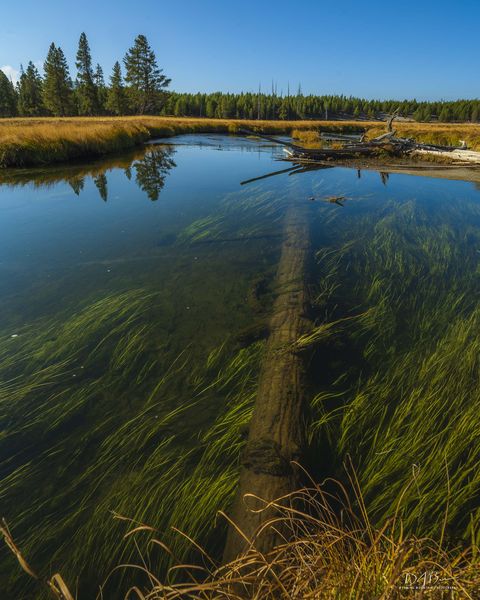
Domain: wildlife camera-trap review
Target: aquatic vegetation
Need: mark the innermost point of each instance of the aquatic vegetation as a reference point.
(408, 404)
(143, 458)
(122, 402)
(136, 399)
(252, 214)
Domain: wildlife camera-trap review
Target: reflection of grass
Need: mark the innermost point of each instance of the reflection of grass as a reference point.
(50, 175)
(411, 409)
(151, 167)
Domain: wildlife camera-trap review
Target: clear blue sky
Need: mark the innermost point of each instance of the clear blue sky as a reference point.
(375, 49)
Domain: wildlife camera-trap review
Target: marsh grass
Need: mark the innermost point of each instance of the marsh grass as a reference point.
(27, 142)
(40, 141)
(448, 134)
(331, 549)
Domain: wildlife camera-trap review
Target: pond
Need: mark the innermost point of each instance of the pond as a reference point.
(136, 293)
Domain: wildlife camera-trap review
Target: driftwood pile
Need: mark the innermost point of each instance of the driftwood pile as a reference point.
(357, 146)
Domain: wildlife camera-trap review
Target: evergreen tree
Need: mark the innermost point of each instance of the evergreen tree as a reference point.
(101, 88)
(444, 115)
(57, 86)
(145, 79)
(116, 102)
(8, 97)
(30, 90)
(86, 90)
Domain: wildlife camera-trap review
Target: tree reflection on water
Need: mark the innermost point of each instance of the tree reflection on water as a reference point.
(147, 168)
(152, 170)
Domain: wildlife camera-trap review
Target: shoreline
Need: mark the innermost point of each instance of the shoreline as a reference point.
(33, 142)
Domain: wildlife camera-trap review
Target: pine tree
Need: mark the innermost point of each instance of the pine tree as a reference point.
(444, 115)
(101, 88)
(30, 90)
(116, 97)
(8, 97)
(145, 79)
(57, 86)
(86, 90)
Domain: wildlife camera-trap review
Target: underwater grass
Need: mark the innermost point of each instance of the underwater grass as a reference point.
(396, 318)
(72, 418)
(127, 406)
(406, 408)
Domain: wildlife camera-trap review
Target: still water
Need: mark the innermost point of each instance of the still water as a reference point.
(135, 297)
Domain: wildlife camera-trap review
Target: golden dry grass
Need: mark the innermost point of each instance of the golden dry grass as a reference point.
(331, 549)
(449, 134)
(39, 141)
(36, 141)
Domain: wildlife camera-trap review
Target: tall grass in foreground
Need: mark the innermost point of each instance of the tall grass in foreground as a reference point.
(331, 550)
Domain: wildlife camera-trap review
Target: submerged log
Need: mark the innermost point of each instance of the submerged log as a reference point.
(276, 436)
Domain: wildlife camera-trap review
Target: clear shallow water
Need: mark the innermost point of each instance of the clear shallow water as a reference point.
(135, 296)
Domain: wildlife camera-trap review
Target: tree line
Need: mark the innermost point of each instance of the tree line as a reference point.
(141, 88)
(296, 107)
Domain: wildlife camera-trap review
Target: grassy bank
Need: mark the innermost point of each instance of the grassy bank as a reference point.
(29, 142)
(449, 134)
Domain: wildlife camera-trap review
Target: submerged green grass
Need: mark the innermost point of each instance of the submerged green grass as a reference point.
(130, 406)
(94, 423)
(130, 402)
(404, 403)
